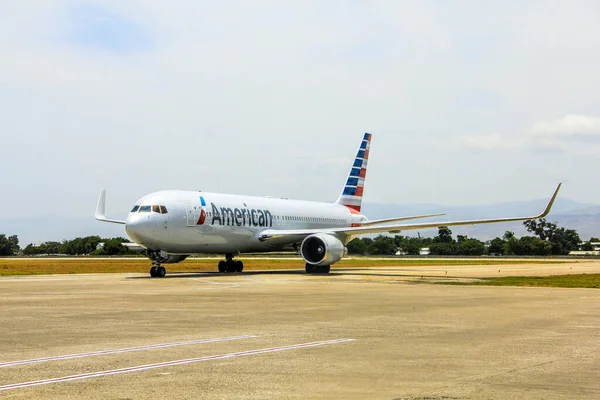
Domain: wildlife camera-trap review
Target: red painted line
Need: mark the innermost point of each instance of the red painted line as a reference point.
(118, 351)
(170, 364)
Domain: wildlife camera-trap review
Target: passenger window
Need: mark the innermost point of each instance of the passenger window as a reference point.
(156, 209)
(135, 208)
(145, 208)
(163, 209)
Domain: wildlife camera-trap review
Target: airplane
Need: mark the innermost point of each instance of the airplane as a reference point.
(172, 224)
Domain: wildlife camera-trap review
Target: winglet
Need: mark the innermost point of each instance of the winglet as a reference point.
(100, 210)
(100, 207)
(550, 203)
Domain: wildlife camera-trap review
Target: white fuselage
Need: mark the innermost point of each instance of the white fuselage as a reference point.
(184, 222)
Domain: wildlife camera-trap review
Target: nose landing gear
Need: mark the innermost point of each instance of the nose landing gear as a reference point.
(230, 265)
(157, 271)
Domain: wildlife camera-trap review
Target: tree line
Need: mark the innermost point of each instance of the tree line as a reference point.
(442, 244)
(547, 239)
(79, 246)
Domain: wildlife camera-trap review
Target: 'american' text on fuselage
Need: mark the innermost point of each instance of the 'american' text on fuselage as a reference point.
(240, 216)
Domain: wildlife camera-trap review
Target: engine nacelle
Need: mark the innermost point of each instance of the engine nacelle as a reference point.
(322, 249)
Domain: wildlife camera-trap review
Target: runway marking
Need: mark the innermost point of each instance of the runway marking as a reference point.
(223, 284)
(170, 364)
(125, 350)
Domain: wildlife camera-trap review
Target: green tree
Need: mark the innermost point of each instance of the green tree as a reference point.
(9, 246)
(383, 245)
(441, 249)
(445, 234)
(51, 247)
(533, 246)
(114, 247)
(80, 246)
(412, 245)
(512, 245)
(541, 228)
(587, 246)
(496, 246)
(563, 240)
(470, 247)
(357, 246)
(31, 250)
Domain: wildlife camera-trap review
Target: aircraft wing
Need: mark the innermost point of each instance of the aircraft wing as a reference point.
(389, 220)
(299, 234)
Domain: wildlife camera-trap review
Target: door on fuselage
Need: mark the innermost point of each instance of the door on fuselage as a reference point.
(192, 214)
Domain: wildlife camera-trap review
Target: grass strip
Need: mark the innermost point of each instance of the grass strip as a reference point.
(562, 281)
(43, 266)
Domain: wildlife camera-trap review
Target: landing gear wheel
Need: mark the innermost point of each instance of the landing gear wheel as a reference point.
(321, 269)
(153, 272)
(239, 266)
(161, 272)
(230, 265)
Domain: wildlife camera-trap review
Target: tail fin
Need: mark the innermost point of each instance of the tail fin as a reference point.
(351, 196)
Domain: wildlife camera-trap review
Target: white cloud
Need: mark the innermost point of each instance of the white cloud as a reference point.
(572, 134)
(486, 142)
(571, 125)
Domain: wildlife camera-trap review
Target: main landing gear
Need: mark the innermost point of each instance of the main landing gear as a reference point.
(230, 265)
(317, 269)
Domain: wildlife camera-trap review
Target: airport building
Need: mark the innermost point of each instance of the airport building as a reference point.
(580, 252)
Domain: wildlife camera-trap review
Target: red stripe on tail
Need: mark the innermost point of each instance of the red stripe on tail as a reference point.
(354, 209)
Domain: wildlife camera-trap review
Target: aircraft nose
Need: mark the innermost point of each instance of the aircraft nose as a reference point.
(136, 226)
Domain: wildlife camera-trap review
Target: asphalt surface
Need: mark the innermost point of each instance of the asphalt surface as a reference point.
(384, 333)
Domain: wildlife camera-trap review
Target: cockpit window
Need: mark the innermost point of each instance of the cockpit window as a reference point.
(153, 208)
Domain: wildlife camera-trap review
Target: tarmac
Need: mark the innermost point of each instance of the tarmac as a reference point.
(380, 333)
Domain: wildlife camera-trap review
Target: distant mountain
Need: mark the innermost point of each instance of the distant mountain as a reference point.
(585, 218)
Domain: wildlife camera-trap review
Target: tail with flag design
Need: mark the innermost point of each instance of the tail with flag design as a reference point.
(351, 196)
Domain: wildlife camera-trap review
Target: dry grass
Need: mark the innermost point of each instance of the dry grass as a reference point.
(564, 281)
(44, 266)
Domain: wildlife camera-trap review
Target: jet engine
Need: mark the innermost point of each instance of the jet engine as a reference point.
(322, 249)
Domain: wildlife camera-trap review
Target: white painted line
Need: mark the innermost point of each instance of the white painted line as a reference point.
(125, 350)
(223, 284)
(169, 364)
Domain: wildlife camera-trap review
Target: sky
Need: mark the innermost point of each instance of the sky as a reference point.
(469, 102)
